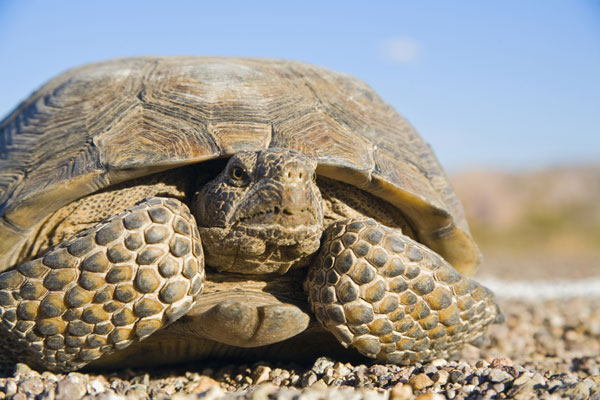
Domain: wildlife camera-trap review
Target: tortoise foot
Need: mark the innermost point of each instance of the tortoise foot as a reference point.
(392, 298)
(105, 288)
(245, 319)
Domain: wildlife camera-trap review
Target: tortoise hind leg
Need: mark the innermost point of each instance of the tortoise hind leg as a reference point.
(106, 287)
(392, 298)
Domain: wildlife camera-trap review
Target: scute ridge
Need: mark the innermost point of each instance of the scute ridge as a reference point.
(125, 118)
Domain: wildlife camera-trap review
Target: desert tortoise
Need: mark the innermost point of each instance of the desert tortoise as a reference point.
(119, 180)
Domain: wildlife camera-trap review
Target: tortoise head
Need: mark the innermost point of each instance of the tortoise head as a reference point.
(263, 213)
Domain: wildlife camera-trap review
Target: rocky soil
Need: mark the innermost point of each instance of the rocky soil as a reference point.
(545, 350)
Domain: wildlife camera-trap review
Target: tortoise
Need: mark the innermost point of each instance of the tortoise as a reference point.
(226, 207)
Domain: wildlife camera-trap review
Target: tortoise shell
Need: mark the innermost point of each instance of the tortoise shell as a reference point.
(109, 122)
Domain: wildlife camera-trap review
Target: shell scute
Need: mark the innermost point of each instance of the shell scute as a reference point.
(110, 122)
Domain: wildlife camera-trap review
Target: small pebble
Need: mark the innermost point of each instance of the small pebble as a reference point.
(341, 370)
(319, 385)
(537, 379)
(439, 362)
(401, 391)
(23, 371)
(430, 396)
(33, 385)
(96, 386)
(430, 369)
(468, 388)
(457, 376)
(500, 362)
(498, 375)
(10, 388)
(203, 384)
(441, 377)
(70, 388)
(321, 363)
(308, 379)
(523, 378)
(261, 374)
(420, 381)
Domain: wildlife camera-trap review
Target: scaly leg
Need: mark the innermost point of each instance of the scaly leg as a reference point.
(106, 287)
(392, 298)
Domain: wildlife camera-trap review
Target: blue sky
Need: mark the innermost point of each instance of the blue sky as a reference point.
(506, 85)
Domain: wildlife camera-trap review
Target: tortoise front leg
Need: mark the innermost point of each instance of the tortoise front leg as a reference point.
(392, 298)
(99, 291)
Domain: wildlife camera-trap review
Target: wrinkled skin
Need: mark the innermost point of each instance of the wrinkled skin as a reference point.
(263, 213)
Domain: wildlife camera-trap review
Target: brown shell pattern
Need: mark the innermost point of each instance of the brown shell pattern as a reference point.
(109, 122)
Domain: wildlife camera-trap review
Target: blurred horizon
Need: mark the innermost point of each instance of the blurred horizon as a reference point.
(534, 225)
(502, 86)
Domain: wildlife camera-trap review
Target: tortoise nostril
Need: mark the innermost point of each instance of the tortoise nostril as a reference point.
(276, 210)
(300, 175)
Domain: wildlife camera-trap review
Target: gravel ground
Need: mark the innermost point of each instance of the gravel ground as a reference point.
(548, 349)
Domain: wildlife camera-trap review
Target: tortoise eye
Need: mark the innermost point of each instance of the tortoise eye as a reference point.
(237, 173)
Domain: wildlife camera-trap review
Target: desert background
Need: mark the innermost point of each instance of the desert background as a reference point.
(540, 224)
(508, 96)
